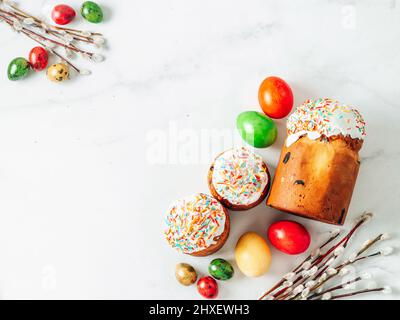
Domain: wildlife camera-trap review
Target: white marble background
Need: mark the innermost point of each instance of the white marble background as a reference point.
(81, 198)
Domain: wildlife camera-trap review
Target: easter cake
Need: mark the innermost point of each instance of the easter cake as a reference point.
(239, 179)
(198, 225)
(319, 162)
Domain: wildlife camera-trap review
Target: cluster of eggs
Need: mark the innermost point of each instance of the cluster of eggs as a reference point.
(38, 60)
(276, 101)
(252, 255)
(252, 252)
(19, 67)
(207, 286)
(63, 14)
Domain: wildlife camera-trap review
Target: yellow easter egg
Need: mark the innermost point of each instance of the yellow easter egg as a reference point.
(252, 254)
(58, 72)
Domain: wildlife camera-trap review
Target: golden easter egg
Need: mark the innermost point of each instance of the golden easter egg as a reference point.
(185, 274)
(252, 254)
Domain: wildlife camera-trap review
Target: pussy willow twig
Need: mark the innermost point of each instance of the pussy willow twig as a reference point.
(321, 259)
(51, 37)
(306, 280)
(299, 267)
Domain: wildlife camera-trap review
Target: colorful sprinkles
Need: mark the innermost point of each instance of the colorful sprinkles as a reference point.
(326, 117)
(193, 223)
(239, 176)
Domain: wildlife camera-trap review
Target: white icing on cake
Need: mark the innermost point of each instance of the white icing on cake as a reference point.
(239, 176)
(193, 223)
(327, 117)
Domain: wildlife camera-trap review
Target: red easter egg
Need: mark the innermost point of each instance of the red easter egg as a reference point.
(63, 14)
(289, 237)
(207, 287)
(275, 97)
(38, 58)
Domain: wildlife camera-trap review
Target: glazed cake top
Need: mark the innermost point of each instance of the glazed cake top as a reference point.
(192, 224)
(317, 117)
(240, 176)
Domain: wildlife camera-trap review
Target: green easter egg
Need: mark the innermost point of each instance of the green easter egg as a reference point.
(220, 269)
(256, 129)
(18, 69)
(92, 12)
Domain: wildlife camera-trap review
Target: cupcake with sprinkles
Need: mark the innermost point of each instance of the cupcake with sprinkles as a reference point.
(319, 162)
(239, 179)
(197, 225)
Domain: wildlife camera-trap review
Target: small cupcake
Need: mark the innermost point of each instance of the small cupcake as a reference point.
(239, 179)
(198, 225)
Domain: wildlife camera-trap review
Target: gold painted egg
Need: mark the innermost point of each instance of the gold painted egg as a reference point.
(58, 72)
(252, 254)
(185, 274)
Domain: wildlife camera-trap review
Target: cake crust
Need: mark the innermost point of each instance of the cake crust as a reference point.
(315, 178)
